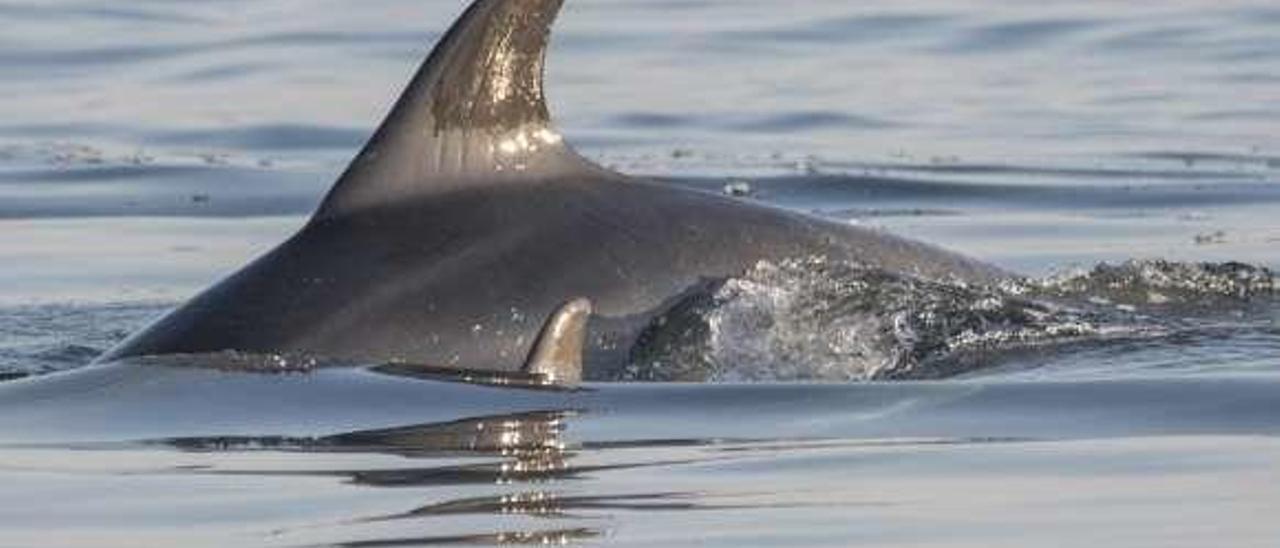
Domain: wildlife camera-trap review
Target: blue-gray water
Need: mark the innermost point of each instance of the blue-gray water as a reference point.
(149, 147)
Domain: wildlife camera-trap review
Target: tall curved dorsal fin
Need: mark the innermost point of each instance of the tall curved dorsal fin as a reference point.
(475, 111)
(557, 354)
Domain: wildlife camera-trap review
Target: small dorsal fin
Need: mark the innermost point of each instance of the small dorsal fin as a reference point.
(557, 354)
(474, 112)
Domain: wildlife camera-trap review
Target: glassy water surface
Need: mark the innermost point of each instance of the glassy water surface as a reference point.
(149, 147)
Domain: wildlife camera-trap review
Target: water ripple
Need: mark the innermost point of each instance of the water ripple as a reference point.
(265, 137)
(781, 122)
(846, 30)
(1019, 35)
(61, 11)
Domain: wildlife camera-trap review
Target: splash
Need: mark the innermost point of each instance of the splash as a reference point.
(814, 319)
(1164, 284)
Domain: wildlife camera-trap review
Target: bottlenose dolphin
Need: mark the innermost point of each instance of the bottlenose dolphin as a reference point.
(466, 220)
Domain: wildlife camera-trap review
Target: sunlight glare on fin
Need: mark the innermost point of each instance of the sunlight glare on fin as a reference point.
(474, 114)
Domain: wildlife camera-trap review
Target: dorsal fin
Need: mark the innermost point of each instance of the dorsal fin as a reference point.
(475, 112)
(557, 354)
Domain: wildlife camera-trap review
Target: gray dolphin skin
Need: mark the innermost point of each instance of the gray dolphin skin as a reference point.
(466, 221)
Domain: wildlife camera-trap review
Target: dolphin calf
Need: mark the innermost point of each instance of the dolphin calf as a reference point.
(466, 220)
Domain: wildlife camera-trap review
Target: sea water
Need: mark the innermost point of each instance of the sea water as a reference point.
(148, 148)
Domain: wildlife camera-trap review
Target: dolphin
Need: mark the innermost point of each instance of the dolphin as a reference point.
(467, 219)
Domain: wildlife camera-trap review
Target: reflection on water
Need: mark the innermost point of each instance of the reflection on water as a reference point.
(540, 538)
(525, 455)
(529, 448)
(546, 504)
(818, 470)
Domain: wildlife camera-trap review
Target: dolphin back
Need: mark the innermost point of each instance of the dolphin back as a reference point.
(466, 220)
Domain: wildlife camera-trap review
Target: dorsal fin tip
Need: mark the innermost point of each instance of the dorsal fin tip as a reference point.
(475, 107)
(557, 354)
(487, 71)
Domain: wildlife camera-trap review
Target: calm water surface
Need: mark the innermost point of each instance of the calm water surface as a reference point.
(148, 148)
